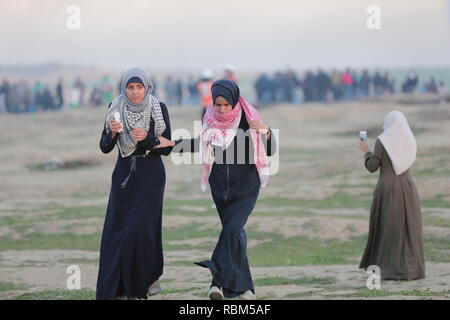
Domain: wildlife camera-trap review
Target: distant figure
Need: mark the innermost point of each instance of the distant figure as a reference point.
(309, 86)
(395, 227)
(431, 87)
(229, 73)
(96, 97)
(74, 97)
(204, 90)
(107, 90)
(347, 85)
(364, 84)
(290, 83)
(4, 95)
(170, 91)
(47, 99)
(410, 84)
(378, 84)
(2, 100)
(193, 97)
(60, 94)
(389, 83)
(443, 92)
(178, 92)
(263, 88)
(336, 84)
(356, 90)
(323, 85)
(81, 88)
(38, 96)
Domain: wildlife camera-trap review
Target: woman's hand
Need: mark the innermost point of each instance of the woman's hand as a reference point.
(164, 143)
(114, 126)
(363, 146)
(139, 134)
(259, 125)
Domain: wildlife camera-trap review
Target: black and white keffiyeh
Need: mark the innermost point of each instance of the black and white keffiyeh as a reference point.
(135, 115)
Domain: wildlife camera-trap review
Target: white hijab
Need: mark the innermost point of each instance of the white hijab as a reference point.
(399, 141)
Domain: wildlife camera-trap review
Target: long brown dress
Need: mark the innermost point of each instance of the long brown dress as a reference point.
(395, 226)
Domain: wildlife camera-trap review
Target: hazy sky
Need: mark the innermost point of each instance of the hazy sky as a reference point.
(250, 34)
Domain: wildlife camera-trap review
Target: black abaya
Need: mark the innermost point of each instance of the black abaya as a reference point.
(131, 256)
(235, 189)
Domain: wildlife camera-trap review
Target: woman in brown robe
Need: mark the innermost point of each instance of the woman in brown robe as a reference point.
(395, 226)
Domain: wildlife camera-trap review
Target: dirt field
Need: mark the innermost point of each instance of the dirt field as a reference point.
(306, 235)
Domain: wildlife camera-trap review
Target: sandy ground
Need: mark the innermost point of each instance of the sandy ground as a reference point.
(318, 157)
(349, 279)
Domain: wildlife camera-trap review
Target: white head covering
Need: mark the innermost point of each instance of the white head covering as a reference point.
(399, 141)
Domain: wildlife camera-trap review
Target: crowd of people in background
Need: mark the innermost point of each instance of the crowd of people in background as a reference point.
(280, 87)
(22, 97)
(320, 86)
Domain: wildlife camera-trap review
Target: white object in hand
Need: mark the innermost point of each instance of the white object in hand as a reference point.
(117, 118)
(363, 135)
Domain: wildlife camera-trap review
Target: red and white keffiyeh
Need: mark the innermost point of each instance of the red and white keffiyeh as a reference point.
(220, 129)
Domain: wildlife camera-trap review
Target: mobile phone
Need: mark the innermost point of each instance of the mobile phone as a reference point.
(117, 118)
(363, 135)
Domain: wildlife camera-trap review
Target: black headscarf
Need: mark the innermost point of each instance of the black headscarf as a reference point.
(135, 80)
(227, 89)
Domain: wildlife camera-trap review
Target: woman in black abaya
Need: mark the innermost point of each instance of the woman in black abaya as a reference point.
(235, 178)
(131, 257)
